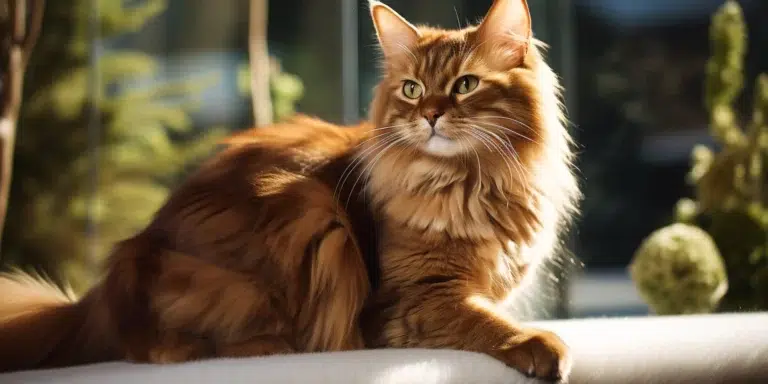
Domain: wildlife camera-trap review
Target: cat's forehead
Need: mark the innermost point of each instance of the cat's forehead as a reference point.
(441, 55)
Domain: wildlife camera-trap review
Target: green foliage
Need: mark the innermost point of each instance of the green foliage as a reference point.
(116, 17)
(63, 186)
(678, 269)
(731, 185)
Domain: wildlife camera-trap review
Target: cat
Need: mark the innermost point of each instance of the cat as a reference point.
(251, 255)
(471, 181)
(406, 231)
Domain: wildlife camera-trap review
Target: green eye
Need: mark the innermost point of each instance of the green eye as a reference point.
(412, 89)
(466, 84)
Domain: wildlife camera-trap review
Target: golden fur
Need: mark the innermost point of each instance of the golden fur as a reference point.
(272, 245)
(460, 225)
(250, 256)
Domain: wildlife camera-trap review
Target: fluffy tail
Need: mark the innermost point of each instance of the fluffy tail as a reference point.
(42, 326)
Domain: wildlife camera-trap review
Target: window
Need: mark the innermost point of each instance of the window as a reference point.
(168, 80)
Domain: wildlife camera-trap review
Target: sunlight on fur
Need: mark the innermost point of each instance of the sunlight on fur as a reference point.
(424, 227)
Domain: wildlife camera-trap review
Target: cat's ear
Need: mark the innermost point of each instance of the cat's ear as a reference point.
(506, 31)
(396, 35)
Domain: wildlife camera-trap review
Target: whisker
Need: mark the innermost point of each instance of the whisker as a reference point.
(394, 126)
(358, 160)
(516, 158)
(352, 165)
(370, 166)
(408, 50)
(404, 147)
(458, 20)
(511, 131)
(348, 170)
(377, 136)
(513, 120)
(360, 144)
(477, 157)
(464, 148)
(516, 162)
(472, 51)
(471, 133)
(504, 156)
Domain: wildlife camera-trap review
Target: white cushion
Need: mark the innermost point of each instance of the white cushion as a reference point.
(690, 349)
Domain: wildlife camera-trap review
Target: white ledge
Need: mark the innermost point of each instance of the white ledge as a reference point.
(685, 349)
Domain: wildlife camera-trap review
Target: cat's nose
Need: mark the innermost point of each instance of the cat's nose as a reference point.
(432, 117)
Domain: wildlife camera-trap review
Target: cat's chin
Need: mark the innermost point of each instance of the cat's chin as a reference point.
(441, 146)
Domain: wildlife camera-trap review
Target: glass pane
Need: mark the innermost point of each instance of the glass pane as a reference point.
(123, 97)
(639, 111)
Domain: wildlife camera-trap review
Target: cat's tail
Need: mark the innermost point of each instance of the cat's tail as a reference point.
(42, 326)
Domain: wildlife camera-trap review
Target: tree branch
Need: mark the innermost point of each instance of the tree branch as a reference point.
(35, 26)
(259, 62)
(21, 44)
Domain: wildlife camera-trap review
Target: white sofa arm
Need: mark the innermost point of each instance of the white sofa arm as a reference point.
(724, 348)
(684, 349)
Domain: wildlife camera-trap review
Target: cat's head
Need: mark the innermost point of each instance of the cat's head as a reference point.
(454, 93)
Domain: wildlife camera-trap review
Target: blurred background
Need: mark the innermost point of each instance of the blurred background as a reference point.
(122, 97)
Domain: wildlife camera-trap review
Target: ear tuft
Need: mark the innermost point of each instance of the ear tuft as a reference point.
(506, 30)
(396, 35)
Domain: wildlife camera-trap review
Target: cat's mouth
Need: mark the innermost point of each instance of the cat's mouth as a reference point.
(438, 135)
(440, 145)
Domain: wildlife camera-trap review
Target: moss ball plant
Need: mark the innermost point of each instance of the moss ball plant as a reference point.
(678, 270)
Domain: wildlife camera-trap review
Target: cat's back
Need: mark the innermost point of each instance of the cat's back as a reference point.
(267, 182)
(240, 247)
(301, 139)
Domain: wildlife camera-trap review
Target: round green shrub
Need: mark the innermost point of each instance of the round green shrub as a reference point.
(678, 270)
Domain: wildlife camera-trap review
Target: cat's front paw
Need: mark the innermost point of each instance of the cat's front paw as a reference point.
(539, 354)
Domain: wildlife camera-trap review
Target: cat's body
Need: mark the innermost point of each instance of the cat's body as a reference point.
(264, 218)
(459, 186)
(250, 256)
(469, 206)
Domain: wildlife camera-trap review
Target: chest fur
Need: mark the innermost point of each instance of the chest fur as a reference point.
(440, 223)
(452, 203)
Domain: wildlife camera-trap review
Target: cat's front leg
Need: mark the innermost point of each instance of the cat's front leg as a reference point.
(444, 316)
(537, 353)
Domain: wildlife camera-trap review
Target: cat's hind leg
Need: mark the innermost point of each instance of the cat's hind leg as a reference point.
(171, 346)
(235, 314)
(338, 288)
(240, 316)
(256, 346)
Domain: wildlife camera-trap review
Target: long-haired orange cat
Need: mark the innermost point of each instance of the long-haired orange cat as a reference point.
(459, 185)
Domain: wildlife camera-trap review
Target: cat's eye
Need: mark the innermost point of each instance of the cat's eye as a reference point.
(412, 89)
(466, 84)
